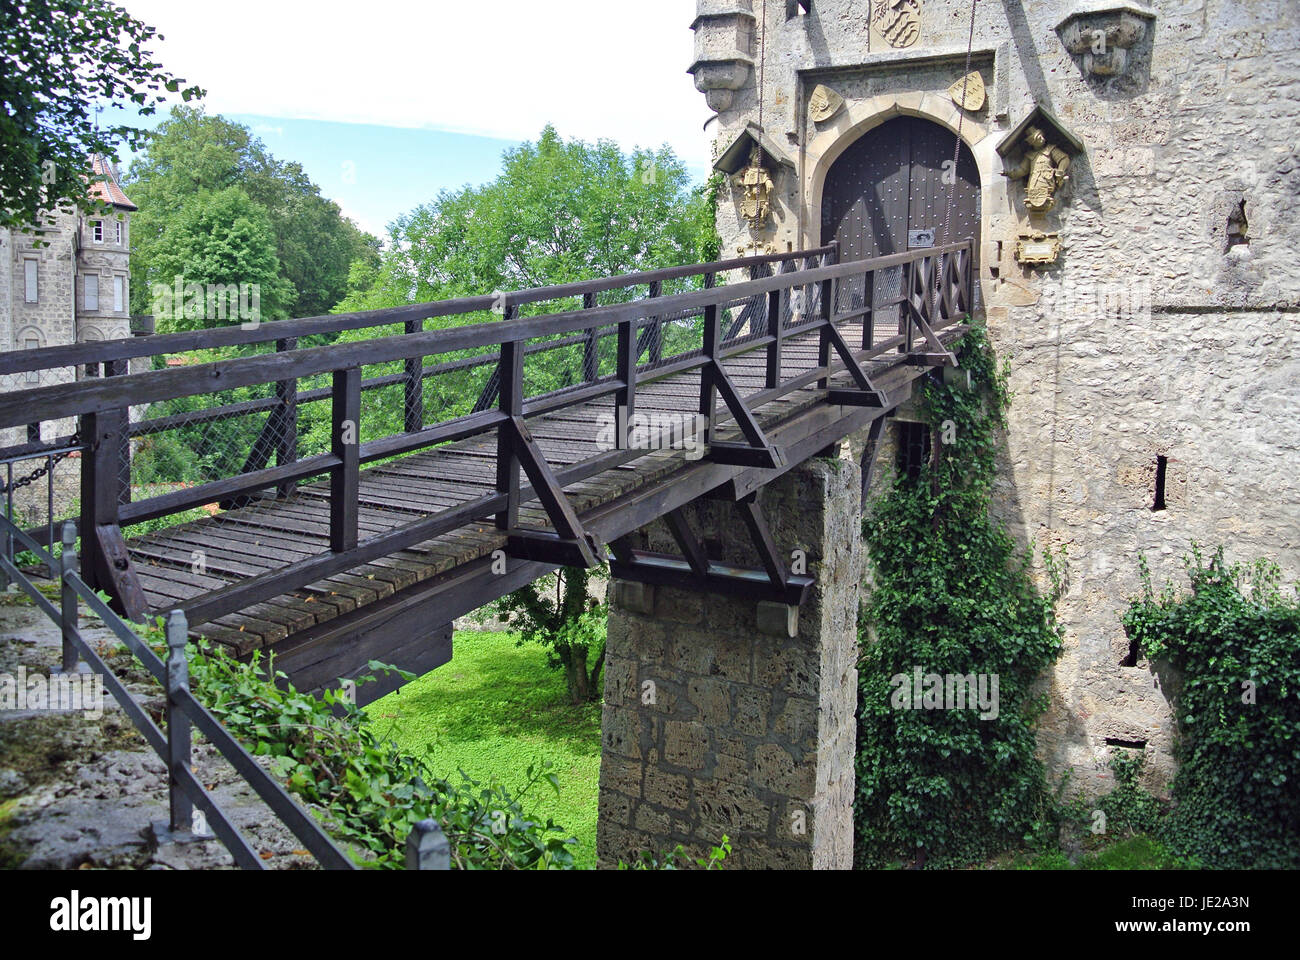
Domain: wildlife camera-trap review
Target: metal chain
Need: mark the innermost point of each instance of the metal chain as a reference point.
(50, 464)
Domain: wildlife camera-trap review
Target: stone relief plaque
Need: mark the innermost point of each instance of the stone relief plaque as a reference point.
(824, 103)
(969, 92)
(1038, 248)
(896, 22)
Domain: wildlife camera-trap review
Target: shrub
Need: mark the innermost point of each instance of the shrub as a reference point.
(1237, 649)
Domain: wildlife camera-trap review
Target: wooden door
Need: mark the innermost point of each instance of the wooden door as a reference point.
(890, 191)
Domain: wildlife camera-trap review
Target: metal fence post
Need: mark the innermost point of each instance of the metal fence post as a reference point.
(69, 618)
(427, 847)
(178, 724)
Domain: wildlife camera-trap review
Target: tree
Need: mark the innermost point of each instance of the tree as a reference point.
(192, 154)
(58, 60)
(219, 241)
(558, 212)
(571, 625)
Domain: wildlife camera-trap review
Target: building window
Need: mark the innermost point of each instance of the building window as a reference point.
(90, 298)
(913, 448)
(97, 230)
(32, 343)
(119, 293)
(121, 231)
(31, 278)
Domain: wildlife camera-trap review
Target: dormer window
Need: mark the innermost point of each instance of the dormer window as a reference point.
(97, 231)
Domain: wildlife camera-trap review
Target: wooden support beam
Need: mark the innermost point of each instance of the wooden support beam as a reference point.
(690, 547)
(752, 517)
(118, 574)
(511, 372)
(413, 384)
(668, 571)
(558, 509)
(345, 441)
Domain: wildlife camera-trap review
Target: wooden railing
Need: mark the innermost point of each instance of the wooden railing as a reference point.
(936, 290)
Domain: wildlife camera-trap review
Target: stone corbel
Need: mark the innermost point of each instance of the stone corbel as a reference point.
(1102, 32)
(724, 50)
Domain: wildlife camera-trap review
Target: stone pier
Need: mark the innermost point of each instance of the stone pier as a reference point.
(718, 721)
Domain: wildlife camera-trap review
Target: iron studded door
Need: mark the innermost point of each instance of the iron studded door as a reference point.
(887, 194)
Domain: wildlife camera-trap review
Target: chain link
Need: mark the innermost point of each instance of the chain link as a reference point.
(50, 464)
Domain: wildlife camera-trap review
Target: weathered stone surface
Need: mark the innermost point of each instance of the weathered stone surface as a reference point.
(1150, 337)
(753, 728)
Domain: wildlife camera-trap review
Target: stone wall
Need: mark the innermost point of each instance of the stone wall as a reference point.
(1155, 334)
(712, 727)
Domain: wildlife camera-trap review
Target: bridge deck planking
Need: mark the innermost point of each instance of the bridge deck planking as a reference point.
(264, 535)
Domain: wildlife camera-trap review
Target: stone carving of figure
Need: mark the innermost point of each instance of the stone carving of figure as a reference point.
(756, 204)
(1043, 170)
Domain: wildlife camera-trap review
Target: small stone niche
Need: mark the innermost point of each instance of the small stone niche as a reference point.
(1238, 233)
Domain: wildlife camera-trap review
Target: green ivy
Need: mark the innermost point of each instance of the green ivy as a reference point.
(1128, 809)
(366, 791)
(952, 594)
(1235, 650)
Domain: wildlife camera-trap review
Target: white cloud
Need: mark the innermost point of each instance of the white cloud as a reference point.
(503, 68)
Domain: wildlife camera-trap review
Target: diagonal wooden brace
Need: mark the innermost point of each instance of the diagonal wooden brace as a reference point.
(570, 542)
(936, 347)
(757, 452)
(866, 394)
(752, 517)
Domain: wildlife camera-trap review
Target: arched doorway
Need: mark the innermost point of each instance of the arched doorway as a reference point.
(887, 192)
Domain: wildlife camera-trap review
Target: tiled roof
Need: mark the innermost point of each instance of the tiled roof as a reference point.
(104, 185)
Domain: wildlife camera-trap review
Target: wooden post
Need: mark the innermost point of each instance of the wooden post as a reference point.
(625, 397)
(708, 386)
(904, 317)
(826, 311)
(286, 395)
(656, 327)
(345, 479)
(511, 371)
(590, 344)
(413, 380)
(118, 368)
(101, 496)
(869, 304)
(774, 330)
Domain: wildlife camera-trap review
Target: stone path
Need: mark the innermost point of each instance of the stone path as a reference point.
(79, 792)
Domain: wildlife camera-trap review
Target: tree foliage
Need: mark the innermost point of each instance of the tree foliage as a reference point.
(952, 595)
(59, 61)
(1234, 645)
(570, 624)
(217, 239)
(558, 212)
(193, 157)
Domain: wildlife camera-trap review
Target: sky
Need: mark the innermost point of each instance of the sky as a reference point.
(387, 102)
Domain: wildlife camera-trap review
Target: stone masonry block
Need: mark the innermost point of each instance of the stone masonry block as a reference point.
(684, 744)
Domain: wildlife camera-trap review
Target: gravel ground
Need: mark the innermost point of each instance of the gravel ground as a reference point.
(80, 792)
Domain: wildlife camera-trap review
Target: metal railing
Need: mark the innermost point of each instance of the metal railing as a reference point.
(427, 847)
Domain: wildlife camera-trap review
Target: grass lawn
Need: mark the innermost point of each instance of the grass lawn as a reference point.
(493, 711)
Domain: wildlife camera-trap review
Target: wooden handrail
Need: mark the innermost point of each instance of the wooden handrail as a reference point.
(20, 407)
(44, 358)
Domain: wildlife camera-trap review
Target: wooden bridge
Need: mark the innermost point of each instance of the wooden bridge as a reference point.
(404, 495)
